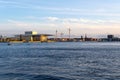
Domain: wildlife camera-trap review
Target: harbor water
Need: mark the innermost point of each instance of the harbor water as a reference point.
(60, 61)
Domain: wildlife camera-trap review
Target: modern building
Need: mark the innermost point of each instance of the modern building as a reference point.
(110, 38)
(30, 33)
(32, 36)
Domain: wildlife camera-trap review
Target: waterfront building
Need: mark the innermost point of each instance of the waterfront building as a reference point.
(32, 36)
(110, 38)
(30, 33)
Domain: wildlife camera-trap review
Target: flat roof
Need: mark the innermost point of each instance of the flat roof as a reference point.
(35, 35)
(42, 34)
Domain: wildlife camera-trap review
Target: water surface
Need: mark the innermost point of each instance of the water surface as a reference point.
(60, 61)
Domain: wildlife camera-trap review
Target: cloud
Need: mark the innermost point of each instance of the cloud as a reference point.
(7, 2)
(107, 12)
(15, 4)
(89, 26)
(31, 17)
(60, 10)
(51, 18)
(56, 21)
(81, 20)
(14, 24)
(79, 26)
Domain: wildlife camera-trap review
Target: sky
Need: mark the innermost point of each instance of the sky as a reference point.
(91, 17)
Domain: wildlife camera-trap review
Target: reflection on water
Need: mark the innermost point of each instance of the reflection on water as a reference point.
(60, 61)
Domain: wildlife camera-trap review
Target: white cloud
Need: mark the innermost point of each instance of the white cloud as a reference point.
(31, 17)
(60, 10)
(79, 26)
(51, 18)
(81, 20)
(7, 2)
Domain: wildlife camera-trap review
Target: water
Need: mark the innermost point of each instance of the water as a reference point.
(60, 61)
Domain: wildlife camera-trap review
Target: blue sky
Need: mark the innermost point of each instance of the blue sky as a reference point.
(92, 17)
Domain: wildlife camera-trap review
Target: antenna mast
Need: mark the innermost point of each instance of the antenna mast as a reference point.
(69, 32)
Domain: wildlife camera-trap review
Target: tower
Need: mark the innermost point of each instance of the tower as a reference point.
(56, 34)
(69, 30)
